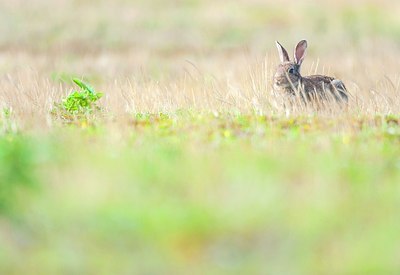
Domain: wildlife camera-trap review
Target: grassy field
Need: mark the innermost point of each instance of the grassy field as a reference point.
(189, 163)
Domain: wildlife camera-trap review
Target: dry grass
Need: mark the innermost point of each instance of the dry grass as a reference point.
(246, 89)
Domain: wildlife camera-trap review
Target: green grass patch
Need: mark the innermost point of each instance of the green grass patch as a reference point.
(220, 194)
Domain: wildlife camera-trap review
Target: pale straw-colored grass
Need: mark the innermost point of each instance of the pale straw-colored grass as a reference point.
(246, 89)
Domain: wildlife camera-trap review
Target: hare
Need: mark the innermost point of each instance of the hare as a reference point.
(288, 80)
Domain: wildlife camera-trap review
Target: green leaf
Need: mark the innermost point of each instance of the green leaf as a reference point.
(83, 85)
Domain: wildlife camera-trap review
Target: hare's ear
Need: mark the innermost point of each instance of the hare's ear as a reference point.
(283, 55)
(300, 52)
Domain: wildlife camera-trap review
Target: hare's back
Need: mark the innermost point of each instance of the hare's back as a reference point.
(323, 84)
(315, 79)
(317, 83)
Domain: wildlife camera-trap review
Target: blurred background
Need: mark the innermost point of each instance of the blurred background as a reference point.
(109, 38)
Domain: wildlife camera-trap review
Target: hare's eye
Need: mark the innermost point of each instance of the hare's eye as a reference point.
(291, 70)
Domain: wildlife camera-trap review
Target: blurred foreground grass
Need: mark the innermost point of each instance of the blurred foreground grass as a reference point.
(195, 193)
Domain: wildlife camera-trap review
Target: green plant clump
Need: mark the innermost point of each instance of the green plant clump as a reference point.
(83, 101)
